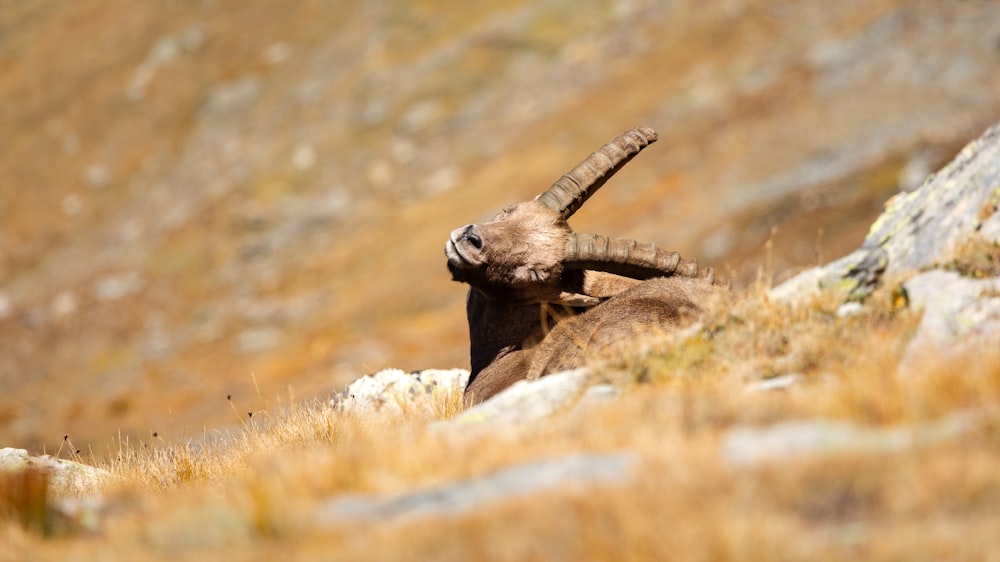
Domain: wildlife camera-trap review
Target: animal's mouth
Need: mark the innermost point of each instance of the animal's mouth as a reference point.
(455, 257)
(461, 250)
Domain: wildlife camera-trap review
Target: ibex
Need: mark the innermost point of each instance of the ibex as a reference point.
(527, 259)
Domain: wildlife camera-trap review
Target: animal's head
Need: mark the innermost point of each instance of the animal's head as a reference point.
(519, 252)
(528, 253)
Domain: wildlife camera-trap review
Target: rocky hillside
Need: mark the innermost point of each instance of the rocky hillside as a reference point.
(209, 200)
(851, 412)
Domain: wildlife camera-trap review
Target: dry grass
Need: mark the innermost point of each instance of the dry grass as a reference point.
(250, 495)
(977, 258)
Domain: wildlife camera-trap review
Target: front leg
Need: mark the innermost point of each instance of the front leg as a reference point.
(497, 376)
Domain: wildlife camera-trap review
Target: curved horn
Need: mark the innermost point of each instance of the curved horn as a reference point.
(569, 192)
(629, 258)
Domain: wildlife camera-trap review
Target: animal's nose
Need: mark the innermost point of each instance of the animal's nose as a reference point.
(473, 238)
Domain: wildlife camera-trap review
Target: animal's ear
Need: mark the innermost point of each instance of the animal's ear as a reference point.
(533, 273)
(576, 299)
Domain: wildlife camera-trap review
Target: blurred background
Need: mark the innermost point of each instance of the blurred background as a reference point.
(213, 203)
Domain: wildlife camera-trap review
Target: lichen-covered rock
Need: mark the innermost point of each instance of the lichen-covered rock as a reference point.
(925, 227)
(394, 391)
(919, 229)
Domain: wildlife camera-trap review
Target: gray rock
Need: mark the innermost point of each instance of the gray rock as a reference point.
(433, 392)
(750, 447)
(923, 228)
(64, 304)
(918, 229)
(277, 53)
(780, 382)
(164, 52)
(527, 401)
(961, 316)
(235, 96)
(97, 176)
(118, 286)
(600, 394)
(848, 309)
(852, 276)
(67, 478)
(394, 391)
(580, 472)
(256, 340)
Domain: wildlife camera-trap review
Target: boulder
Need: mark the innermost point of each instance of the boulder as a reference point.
(435, 393)
(921, 229)
(528, 401)
(394, 391)
(961, 316)
(751, 446)
(580, 472)
(66, 478)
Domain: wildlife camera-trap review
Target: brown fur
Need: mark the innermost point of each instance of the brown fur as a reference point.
(514, 267)
(519, 270)
(572, 338)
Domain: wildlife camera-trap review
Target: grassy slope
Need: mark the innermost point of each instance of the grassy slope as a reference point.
(251, 498)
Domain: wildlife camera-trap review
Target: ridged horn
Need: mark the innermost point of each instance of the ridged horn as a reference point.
(570, 191)
(629, 258)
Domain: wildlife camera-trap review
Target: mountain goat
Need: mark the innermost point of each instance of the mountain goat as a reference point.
(542, 297)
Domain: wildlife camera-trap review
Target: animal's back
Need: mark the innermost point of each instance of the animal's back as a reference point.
(650, 308)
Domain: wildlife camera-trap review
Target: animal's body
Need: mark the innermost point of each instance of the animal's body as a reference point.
(543, 298)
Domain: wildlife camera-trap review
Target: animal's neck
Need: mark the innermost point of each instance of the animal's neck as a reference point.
(497, 328)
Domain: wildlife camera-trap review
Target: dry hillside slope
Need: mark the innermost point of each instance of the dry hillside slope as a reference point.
(201, 197)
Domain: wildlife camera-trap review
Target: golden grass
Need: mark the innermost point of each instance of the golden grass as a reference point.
(977, 258)
(251, 495)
